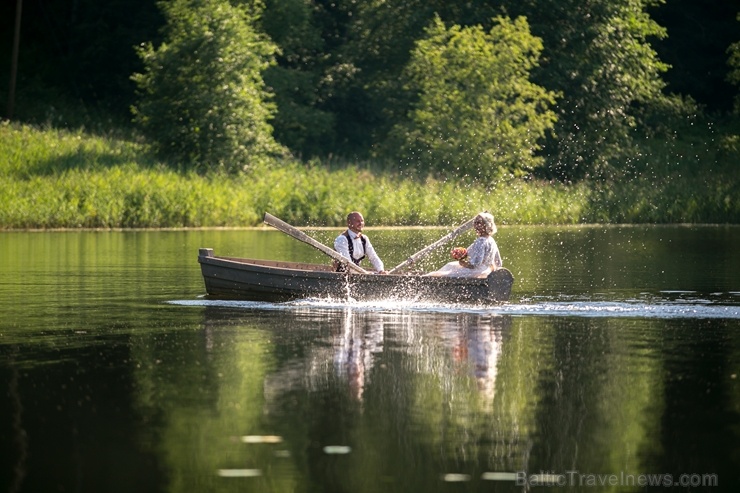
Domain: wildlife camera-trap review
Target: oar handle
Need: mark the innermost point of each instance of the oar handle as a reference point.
(425, 251)
(301, 236)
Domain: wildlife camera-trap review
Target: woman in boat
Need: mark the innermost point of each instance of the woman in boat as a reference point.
(480, 258)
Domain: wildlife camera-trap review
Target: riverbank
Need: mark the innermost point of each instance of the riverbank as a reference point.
(51, 178)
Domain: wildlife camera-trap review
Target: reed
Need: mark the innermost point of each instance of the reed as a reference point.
(53, 178)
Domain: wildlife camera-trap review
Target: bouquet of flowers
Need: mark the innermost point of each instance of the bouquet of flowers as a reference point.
(459, 253)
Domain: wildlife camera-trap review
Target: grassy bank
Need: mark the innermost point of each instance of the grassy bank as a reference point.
(70, 179)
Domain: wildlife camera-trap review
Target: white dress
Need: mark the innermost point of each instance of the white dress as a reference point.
(483, 257)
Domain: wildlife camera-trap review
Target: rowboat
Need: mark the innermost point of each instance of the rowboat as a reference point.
(270, 280)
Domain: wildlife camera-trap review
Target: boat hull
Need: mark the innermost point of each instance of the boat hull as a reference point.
(265, 280)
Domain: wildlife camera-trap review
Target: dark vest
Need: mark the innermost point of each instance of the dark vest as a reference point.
(350, 245)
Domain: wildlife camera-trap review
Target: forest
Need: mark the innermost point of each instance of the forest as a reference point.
(483, 90)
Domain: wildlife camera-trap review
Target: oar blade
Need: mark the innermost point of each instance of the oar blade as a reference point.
(428, 249)
(301, 236)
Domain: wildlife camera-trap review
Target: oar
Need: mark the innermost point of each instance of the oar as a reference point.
(422, 253)
(301, 236)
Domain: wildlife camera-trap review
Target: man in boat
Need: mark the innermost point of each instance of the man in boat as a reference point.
(354, 245)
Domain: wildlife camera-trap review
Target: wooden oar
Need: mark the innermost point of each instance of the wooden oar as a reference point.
(423, 253)
(301, 236)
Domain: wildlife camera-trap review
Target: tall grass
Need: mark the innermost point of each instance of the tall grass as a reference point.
(69, 179)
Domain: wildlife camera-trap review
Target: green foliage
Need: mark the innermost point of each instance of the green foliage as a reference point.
(337, 85)
(202, 100)
(62, 179)
(380, 39)
(668, 181)
(301, 124)
(478, 114)
(599, 59)
(734, 62)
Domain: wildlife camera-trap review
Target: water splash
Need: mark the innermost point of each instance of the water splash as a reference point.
(644, 307)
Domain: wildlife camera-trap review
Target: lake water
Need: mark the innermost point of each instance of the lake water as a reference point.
(614, 365)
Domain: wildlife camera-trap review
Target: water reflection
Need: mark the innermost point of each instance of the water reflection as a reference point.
(252, 401)
(609, 360)
(462, 344)
(19, 436)
(420, 388)
(355, 349)
(468, 395)
(476, 348)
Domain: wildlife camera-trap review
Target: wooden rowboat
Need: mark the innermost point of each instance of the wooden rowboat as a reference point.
(268, 280)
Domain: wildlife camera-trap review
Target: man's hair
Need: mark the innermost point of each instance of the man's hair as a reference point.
(349, 216)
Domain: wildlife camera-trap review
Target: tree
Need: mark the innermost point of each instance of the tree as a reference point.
(380, 38)
(598, 56)
(734, 62)
(202, 100)
(477, 113)
(301, 123)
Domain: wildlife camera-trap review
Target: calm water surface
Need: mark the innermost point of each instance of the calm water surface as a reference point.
(615, 365)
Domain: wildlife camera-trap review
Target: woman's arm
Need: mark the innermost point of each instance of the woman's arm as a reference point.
(476, 253)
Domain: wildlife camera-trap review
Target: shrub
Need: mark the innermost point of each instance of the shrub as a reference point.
(478, 114)
(202, 101)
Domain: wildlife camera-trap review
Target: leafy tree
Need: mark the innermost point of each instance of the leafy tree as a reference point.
(202, 100)
(297, 80)
(380, 39)
(598, 56)
(477, 113)
(734, 62)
